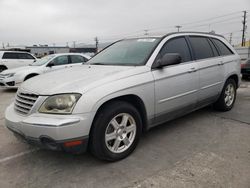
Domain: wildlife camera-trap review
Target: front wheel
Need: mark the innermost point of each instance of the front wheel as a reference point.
(227, 97)
(116, 131)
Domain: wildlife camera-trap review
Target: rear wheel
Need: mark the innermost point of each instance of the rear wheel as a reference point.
(116, 131)
(227, 97)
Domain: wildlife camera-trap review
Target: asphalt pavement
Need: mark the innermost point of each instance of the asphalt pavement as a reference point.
(203, 149)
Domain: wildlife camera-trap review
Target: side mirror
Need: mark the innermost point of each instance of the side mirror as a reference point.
(167, 59)
(51, 64)
(34, 61)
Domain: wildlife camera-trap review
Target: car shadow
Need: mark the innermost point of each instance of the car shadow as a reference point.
(8, 90)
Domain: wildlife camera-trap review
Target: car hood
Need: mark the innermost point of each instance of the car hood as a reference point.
(19, 69)
(78, 79)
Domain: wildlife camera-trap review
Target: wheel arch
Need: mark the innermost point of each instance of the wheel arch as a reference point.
(4, 66)
(132, 99)
(30, 75)
(235, 77)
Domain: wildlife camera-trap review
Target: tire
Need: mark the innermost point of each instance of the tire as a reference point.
(227, 96)
(110, 138)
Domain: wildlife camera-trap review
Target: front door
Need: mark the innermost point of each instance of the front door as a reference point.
(60, 62)
(175, 85)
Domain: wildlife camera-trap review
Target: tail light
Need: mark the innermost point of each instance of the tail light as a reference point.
(242, 65)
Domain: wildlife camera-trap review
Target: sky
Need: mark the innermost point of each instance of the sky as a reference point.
(60, 22)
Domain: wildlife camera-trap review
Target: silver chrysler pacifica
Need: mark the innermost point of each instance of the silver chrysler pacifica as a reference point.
(129, 87)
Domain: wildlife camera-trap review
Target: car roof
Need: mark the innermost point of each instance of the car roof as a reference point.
(173, 33)
(9, 51)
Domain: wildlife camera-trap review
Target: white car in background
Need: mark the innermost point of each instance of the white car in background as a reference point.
(13, 59)
(12, 78)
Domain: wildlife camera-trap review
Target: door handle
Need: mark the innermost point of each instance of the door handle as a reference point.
(193, 69)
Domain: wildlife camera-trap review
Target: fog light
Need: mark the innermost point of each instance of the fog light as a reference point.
(10, 83)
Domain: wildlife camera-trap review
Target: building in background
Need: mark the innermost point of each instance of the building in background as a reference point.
(43, 50)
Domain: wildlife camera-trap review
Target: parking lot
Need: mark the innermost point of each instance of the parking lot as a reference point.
(203, 149)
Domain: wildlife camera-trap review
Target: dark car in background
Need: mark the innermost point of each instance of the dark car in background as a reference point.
(245, 69)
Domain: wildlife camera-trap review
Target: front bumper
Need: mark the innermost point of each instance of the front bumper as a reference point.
(9, 83)
(50, 131)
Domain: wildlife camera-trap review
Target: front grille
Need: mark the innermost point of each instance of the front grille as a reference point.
(24, 102)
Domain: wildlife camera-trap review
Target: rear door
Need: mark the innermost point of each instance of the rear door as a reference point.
(210, 69)
(175, 85)
(25, 59)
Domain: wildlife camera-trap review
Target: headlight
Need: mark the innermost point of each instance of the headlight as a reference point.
(8, 75)
(60, 104)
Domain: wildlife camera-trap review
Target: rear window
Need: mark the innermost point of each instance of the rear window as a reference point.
(224, 50)
(10, 55)
(201, 47)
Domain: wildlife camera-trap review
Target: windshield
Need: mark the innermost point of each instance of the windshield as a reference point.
(43, 60)
(131, 52)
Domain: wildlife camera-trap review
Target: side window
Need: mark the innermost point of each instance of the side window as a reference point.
(61, 60)
(177, 45)
(224, 50)
(215, 51)
(77, 59)
(10, 55)
(201, 47)
(25, 56)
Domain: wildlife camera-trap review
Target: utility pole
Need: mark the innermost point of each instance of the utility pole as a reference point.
(230, 38)
(178, 28)
(244, 28)
(96, 44)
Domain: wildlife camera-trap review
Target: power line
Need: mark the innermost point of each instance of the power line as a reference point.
(212, 18)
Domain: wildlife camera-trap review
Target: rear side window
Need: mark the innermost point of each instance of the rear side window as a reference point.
(77, 59)
(25, 56)
(201, 47)
(215, 51)
(177, 45)
(9, 55)
(224, 50)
